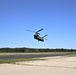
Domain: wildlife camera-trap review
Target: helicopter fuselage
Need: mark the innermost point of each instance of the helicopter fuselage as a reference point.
(36, 36)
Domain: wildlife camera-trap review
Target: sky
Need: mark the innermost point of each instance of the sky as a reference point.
(56, 17)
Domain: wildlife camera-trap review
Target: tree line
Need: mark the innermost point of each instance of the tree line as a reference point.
(28, 50)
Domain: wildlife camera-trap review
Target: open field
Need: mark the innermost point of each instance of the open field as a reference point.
(54, 63)
(57, 65)
(2, 54)
(16, 57)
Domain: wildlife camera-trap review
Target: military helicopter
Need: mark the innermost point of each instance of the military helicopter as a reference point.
(37, 35)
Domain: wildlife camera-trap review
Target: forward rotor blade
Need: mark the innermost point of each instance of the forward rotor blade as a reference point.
(40, 30)
(30, 31)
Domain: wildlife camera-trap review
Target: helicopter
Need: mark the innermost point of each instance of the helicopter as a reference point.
(37, 35)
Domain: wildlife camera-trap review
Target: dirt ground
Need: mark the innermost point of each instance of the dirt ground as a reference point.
(58, 65)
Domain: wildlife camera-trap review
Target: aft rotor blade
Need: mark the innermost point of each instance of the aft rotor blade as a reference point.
(40, 30)
(44, 35)
(45, 39)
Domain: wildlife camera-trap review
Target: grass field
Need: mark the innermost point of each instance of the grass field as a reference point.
(37, 53)
(68, 54)
(19, 60)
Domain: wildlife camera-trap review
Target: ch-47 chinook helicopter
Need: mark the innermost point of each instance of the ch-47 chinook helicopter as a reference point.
(37, 35)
